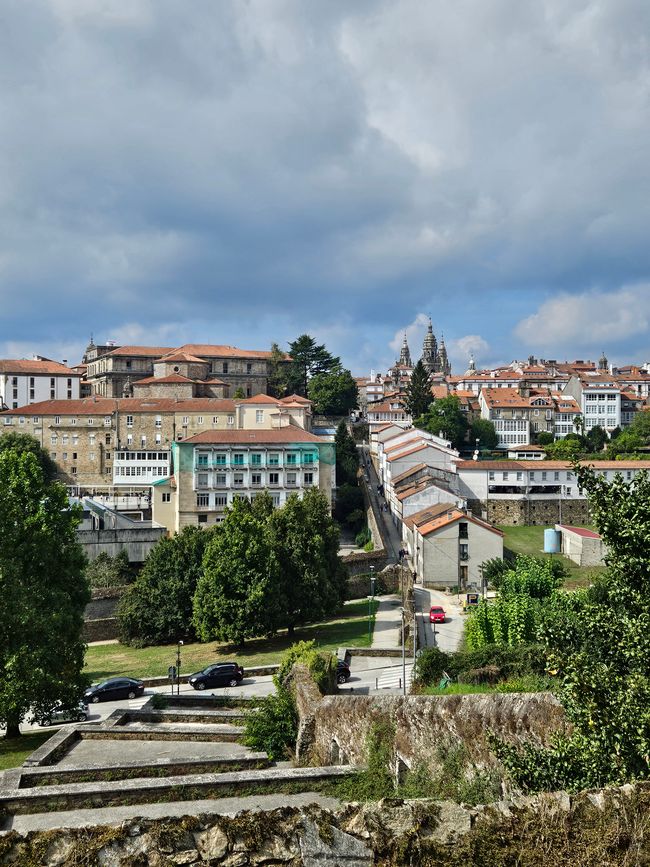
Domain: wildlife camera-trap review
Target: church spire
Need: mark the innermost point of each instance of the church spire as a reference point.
(445, 367)
(405, 354)
(430, 358)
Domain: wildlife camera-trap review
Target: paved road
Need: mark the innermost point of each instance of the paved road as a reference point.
(448, 635)
(390, 534)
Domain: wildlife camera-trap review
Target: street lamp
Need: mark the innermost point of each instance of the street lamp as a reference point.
(178, 667)
(403, 612)
(370, 599)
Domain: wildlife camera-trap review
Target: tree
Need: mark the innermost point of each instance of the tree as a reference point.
(484, 431)
(545, 438)
(445, 419)
(236, 595)
(305, 543)
(603, 660)
(641, 425)
(418, 392)
(239, 393)
(596, 438)
(308, 359)
(565, 449)
(107, 571)
(333, 393)
(347, 456)
(158, 607)
(278, 372)
(627, 443)
(43, 589)
(26, 444)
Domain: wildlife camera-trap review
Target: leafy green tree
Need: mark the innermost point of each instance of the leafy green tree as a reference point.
(545, 438)
(565, 449)
(627, 443)
(278, 380)
(446, 419)
(107, 571)
(641, 425)
(44, 592)
(603, 660)
(239, 393)
(596, 438)
(333, 393)
(236, 595)
(273, 726)
(349, 506)
(347, 456)
(418, 395)
(26, 443)
(484, 431)
(305, 543)
(308, 359)
(158, 607)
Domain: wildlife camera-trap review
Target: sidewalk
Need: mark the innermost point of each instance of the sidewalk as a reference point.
(388, 623)
(389, 532)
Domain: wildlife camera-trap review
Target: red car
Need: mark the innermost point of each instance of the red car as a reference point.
(437, 614)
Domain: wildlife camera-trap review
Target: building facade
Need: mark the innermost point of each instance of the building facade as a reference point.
(28, 381)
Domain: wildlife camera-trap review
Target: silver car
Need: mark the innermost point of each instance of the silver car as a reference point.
(60, 714)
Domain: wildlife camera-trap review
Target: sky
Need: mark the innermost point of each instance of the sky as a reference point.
(245, 171)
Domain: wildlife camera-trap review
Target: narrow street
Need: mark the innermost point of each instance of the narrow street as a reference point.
(390, 534)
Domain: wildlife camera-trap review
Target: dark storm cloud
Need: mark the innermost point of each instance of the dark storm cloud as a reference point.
(249, 170)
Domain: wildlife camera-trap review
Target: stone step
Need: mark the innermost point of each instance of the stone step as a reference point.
(147, 790)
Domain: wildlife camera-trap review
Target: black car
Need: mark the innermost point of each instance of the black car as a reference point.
(220, 674)
(114, 688)
(342, 672)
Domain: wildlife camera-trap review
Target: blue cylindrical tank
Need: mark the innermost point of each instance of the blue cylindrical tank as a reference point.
(552, 542)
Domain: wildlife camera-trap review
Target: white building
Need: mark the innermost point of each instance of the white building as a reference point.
(27, 381)
(599, 396)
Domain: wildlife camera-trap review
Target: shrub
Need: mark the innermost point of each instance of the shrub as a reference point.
(321, 664)
(107, 571)
(363, 537)
(376, 781)
(510, 662)
(273, 726)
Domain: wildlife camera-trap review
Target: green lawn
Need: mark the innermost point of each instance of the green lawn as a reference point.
(348, 628)
(14, 751)
(530, 540)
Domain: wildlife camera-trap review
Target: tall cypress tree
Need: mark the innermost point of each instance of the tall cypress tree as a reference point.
(418, 393)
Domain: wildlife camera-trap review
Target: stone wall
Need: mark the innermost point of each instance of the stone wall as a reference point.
(610, 827)
(533, 512)
(103, 629)
(339, 725)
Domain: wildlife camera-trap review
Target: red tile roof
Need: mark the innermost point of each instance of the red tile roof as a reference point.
(581, 531)
(108, 405)
(173, 378)
(287, 435)
(450, 517)
(34, 368)
(146, 351)
(183, 357)
(218, 351)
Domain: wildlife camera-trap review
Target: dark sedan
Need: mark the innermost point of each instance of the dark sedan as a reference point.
(342, 671)
(221, 674)
(113, 689)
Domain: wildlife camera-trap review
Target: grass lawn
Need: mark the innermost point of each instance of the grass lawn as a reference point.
(349, 627)
(14, 751)
(530, 540)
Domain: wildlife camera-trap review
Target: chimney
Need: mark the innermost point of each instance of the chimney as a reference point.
(65, 361)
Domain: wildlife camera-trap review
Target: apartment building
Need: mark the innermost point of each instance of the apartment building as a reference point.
(599, 396)
(509, 411)
(389, 410)
(533, 492)
(28, 381)
(99, 442)
(113, 374)
(213, 468)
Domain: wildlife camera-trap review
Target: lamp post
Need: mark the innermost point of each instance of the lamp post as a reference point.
(178, 667)
(370, 599)
(403, 651)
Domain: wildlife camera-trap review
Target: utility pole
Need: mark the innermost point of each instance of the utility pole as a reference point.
(403, 651)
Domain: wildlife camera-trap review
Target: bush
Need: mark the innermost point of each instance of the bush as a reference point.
(369, 546)
(321, 665)
(363, 537)
(467, 665)
(493, 571)
(107, 571)
(376, 781)
(273, 726)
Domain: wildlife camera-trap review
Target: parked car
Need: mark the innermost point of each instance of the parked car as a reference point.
(437, 614)
(220, 674)
(60, 713)
(113, 689)
(342, 671)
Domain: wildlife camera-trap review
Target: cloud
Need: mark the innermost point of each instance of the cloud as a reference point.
(257, 170)
(589, 320)
(472, 344)
(415, 332)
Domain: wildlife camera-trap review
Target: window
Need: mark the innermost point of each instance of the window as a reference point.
(256, 479)
(309, 479)
(238, 480)
(129, 439)
(52, 382)
(224, 367)
(215, 419)
(231, 419)
(202, 480)
(532, 475)
(256, 460)
(129, 421)
(166, 498)
(128, 364)
(107, 439)
(221, 499)
(65, 456)
(65, 439)
(203, 519)
(185, 420)
(199, 420)
(291, 480)
(73, 470)
(238, 459)
(74, 456)
(308, 458)
(249, 367)
(274, 478)
(491, 475)
(158, 439)
(556, 477)
(505, 477)
(543, 476)
(259, 416)
(274, 460)
(158, 421)
(202, 460)
(53, 455)
(108, 456)
(53, 439)
(292, 459)
(464, 551)
(107, 421)
(91, 456)
(143, 441)
(203, 500)
(569, 476)
(91, 420)
(220, 480)
(220, 459)
(520, 476)
(463, 531)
